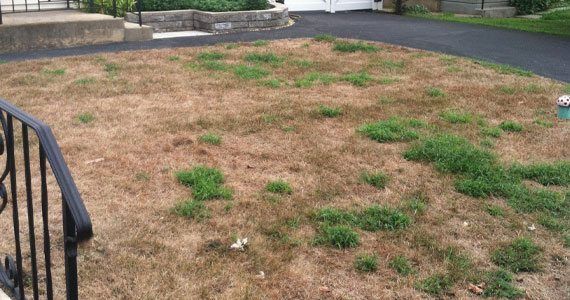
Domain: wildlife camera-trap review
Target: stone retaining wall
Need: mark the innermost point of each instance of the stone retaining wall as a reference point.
(185, 20)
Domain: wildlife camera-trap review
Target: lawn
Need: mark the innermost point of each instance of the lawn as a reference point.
(355, 170)
(557, 22)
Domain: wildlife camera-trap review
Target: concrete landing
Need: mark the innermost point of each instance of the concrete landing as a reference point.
(498, 12)
(64, 29)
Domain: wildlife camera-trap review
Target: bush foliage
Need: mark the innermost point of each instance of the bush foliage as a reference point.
(204, 5)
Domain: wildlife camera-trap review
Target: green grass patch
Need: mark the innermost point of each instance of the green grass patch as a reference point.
(265, 58)
(511, 126)
(558, 25)
(111, 68)
(303, 63)
(329, 112)
(435, 285)
(334, 216)
(378, 180)
(3, 62)
(173, 58)
(392, 65)
(507, 90)
(435, 92)
(351, 47)
(401, 265)
(505, 69)
(250, 72)
(455, 116)
(566, 88)
(206, 183)
(313, 78)
(499, 284)
(533, 89)
(359, 79)
(85, 81)
(417, 204)
(271, 83)
(215, 65)
(521, 255)
(56, 72)
(375, 218)
(495, 210)
(493, 132)
(210, 138)
(213, 55)
(193, 209)
(366, 263)
(557, 173)
(387, 80)
(324, 38)
(391, 130)
(338, 236)
(260, 43)
(85, 118)
(544, 123)
(279, 187)
(551, 223)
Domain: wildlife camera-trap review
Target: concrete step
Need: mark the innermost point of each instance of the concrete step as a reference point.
(136, 33)
(498, 12)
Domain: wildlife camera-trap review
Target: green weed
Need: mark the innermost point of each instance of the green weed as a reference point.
(521, 255)
(366, 263)
(206, 183)
(279, 187)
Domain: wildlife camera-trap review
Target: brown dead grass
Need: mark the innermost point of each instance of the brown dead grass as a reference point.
(147, 121)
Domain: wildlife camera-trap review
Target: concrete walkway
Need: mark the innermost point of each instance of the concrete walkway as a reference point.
(543, 54)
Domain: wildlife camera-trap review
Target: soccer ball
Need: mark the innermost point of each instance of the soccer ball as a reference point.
(563, 101)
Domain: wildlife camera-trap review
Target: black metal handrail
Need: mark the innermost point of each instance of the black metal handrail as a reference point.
(77, 225)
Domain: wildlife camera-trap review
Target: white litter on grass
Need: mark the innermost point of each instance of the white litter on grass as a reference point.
(239, 245)
(531, 227)
(170, 35)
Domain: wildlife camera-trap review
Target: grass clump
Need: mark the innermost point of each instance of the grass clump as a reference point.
(366, 263)
(493, 132)
(391, 130)
(314, 77)
(111, 69)
(335, 216)
(193, 209)
(544, 123)
(206, 183)
(507, 90)
(417, 204)
(377, 217)
(279, 187)
(495, 211)
(86, 118)
(551, 223)
(434, 92)
(340, 237)
(84, 81)
(250, 72)
(454, 117)
(511, 126)
(215, 65)
(329, 112)
(211, 138)
(56, 72)
(378, 180)
(392, 65)
(351, 47)
(401, 265)
(359, 79)
(204, 56)
(521, 255)
(271, 83)
(324, 38)
(266, 58)
(557, 173)
(435, 285)
(499, 284)
(173, 58)
(260, 43)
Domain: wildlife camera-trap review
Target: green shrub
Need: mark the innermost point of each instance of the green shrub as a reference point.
(339, 236)
(366, 263)
(211, 138)
(193, 209)
(358, 79)
(454, 117)
(521, 255)
(529, 7)
(250, 72)
(206, 183)
(279, 187)
(511, 126)
(391, 130)
(324, 38)
(329, 112)
(351, 47)
(106, 6)
(377, 217)
(378, 180)
(204, 5)
(499, 284)
(401, 265)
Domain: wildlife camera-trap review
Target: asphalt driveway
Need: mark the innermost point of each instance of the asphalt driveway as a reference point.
(543, 54)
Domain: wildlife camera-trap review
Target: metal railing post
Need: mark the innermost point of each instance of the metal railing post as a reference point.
(139, 7)
(114, 8)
